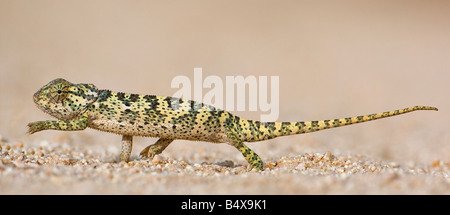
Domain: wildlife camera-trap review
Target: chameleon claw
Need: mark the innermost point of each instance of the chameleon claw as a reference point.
(33, 128)
(147, 153)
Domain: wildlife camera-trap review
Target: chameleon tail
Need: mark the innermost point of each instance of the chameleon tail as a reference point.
(257, 131)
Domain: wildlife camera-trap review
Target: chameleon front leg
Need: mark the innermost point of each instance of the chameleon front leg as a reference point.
(70, 125)
(154, 149)
(127, 145)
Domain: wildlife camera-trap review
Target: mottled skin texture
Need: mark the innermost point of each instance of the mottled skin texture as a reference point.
(78, 106)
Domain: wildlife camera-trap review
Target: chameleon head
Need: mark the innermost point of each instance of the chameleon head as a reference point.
(65, 100)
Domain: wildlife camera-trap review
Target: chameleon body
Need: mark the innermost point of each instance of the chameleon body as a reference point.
(78, 106)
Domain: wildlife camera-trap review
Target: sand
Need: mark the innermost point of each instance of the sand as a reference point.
(333, 59)
(55, 168)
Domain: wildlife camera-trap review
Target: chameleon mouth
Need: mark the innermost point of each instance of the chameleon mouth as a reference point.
(36, 96)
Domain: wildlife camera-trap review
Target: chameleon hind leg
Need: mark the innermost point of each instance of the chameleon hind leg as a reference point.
(154, 149)
(252, 158)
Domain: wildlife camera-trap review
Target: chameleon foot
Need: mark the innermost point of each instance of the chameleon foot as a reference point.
(150, 151)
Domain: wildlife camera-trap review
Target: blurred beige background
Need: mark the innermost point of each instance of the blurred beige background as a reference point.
(334, 59)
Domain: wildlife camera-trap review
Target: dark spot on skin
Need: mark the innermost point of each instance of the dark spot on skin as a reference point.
(121, 96)
(134, 97)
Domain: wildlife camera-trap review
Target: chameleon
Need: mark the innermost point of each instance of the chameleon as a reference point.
(78, 106)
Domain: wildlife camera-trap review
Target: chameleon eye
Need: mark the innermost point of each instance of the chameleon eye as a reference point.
(59, 92)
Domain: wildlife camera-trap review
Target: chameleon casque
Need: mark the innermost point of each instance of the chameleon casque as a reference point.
(78, 106)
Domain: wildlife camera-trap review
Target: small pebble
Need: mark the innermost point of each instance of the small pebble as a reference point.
(226, 163)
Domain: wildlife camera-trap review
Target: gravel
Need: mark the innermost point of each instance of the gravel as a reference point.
(51, 168)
